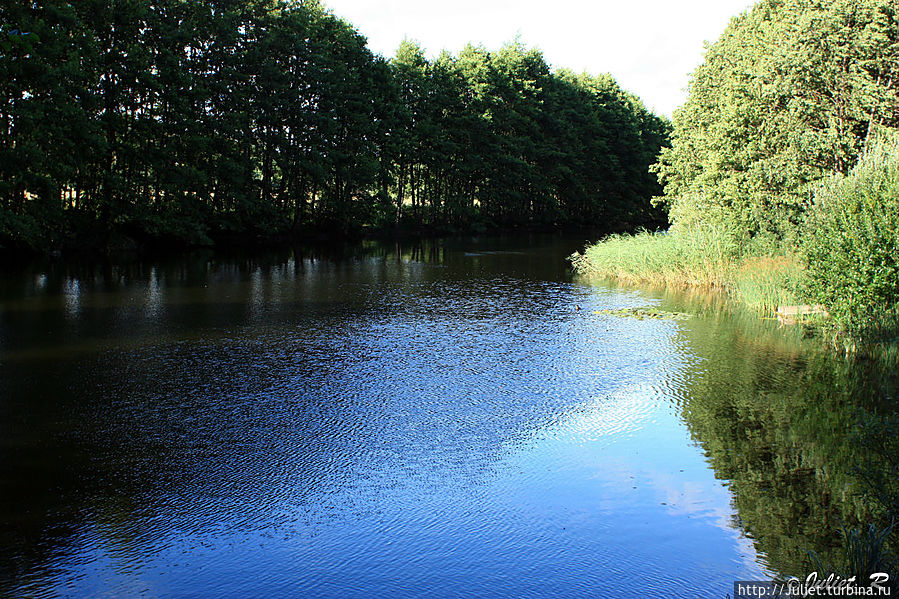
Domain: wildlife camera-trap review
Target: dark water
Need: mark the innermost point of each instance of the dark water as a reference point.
(426, 420)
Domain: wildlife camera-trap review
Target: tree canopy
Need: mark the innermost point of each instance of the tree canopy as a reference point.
(201, 120)
(788, 95)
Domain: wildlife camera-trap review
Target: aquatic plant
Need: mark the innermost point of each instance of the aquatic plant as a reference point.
(698, 256)
(644, 313)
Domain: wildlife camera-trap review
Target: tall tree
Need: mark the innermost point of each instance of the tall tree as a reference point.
(786, 96)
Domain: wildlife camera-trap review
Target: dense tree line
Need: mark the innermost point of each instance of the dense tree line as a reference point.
(790, 94)
(196, 120)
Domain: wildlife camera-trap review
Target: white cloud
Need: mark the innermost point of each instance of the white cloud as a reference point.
(649, 46)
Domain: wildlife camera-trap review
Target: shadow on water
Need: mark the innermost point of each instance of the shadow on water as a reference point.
(140, 392)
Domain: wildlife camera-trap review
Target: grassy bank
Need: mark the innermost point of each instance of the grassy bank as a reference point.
(844, 255)
(697, 257)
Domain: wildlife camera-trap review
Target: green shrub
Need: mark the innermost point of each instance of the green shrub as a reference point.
(850, 246)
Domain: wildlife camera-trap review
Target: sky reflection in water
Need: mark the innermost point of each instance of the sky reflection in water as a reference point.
(444, 422)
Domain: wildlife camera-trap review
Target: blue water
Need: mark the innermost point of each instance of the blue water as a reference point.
(457, 423)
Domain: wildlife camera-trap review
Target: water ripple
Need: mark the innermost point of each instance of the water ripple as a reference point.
(354, 428)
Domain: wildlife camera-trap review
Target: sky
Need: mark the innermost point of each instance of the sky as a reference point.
(649, 46)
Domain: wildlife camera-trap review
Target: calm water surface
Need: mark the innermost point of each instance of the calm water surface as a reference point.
(447, 419)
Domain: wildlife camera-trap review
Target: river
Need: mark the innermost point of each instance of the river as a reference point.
(446, 418)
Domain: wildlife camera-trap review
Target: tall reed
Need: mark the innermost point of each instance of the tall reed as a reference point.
(699, 256)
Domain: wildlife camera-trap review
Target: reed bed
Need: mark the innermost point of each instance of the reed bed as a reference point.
(695, 257)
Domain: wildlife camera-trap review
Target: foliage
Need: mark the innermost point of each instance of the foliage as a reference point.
(788, 95)
(867, 552)
(500, 136)
(202, 120)
(850, 244)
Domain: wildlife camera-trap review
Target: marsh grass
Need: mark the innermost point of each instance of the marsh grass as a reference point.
(696, 257)
(766, 283)
(703, 257)
(865, 552)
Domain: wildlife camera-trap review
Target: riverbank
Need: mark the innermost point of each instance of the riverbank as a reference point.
(698, 257)
(842, 256)
(100, 244)
(768, 285)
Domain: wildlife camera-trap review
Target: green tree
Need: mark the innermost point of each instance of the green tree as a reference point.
(189, 122)
(786, 96)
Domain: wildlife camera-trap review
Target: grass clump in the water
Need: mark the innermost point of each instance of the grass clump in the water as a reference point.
(699, 256)
(643, 313)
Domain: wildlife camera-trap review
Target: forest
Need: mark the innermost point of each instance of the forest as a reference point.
(194, 122)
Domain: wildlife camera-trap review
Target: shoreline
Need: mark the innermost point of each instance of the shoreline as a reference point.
(769, 286)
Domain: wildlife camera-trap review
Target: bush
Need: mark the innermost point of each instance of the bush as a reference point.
(850, 245)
